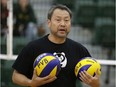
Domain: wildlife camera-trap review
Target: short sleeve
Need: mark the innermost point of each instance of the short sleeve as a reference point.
(24, 61)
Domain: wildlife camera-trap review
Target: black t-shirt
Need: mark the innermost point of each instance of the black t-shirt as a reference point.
(69, 51)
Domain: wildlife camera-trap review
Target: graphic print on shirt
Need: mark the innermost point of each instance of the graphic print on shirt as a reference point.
(62, 58)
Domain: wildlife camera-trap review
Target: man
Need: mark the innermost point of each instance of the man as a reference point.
(59, 23)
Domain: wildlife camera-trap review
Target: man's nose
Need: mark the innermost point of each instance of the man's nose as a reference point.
(63, 23)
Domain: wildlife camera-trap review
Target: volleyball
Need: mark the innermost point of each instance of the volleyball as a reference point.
(88, 64)
(47, 64)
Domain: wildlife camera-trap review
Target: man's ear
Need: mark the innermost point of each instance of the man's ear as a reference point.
(49, 22)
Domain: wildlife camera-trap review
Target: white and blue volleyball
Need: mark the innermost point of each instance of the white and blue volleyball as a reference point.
(47, 64)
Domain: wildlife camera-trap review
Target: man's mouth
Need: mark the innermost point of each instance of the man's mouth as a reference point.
(62, 29)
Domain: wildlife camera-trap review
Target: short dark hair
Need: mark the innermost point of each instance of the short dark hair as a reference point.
(59, 6)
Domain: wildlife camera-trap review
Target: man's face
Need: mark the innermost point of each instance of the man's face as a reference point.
(60, 23)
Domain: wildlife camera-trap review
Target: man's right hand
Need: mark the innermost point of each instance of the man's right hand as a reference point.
(38, 81)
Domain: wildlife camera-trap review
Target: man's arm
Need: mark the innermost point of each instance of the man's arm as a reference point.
(22, 80)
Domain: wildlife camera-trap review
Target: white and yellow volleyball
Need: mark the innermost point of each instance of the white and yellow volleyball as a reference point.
(47, 64)
(88, 64)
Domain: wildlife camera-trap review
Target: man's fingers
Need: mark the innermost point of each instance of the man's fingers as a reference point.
(47, 79)
(85, 77)
(87, 74)
(97, 73)
(50, 79)
(34, 73)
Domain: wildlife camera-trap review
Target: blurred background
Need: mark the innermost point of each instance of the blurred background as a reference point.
(93, 25)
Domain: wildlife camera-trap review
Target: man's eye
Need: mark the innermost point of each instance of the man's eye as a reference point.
(66, 20)
(57, 19)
